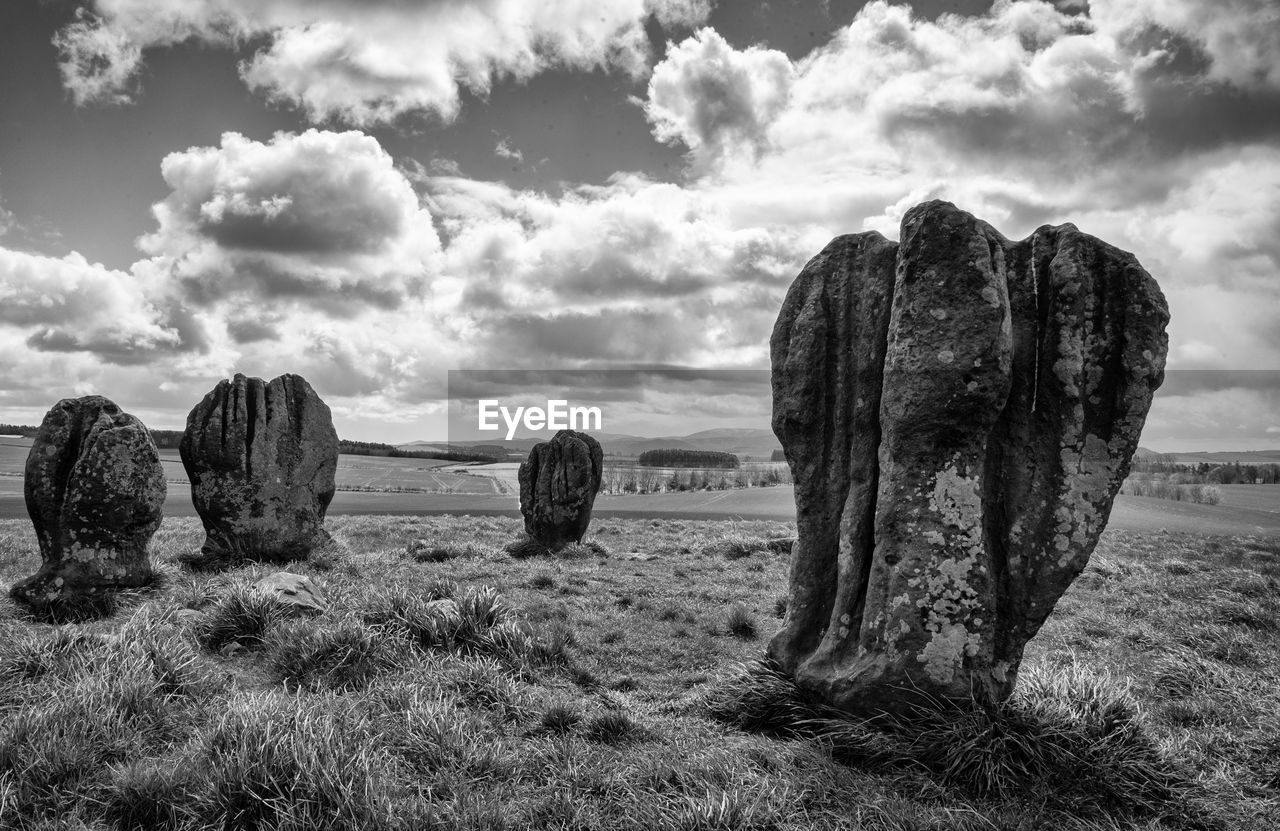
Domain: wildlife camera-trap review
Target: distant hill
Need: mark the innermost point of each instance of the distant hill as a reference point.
(1216, 457)
(756, 443)
(753, 442)
(760, 444)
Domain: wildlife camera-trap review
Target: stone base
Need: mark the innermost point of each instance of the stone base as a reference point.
(50, 596)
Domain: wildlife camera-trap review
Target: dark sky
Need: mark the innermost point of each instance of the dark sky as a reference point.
(372, 193)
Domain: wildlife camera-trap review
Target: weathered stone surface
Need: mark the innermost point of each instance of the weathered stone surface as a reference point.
(558, 485)
(261, 458)
(296, 592)
(958, 412)
(94, 489)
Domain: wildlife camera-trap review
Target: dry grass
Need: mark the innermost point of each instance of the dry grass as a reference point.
(587, 691)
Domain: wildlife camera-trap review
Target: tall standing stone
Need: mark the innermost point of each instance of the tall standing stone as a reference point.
(94, 488)
(558, 486)
(261, 458)
(958, 411)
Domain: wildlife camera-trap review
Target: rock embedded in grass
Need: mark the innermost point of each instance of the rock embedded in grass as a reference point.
(958, 411)
(297, 593)
(558, 486)
(187, 617)
(261, 458)
(95, 490)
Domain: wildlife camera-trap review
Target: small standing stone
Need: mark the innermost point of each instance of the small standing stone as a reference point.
(261, 458)
(94, 489)
(558, 486)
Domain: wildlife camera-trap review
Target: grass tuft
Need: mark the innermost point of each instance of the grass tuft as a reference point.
(582, 551)
(736, 546)
(560, 717)
(242, 616)
(741, 623)
(143, 794)
(424, 551)
(614, 727)
(527, 547)
(761, 698)
(273, 761)
(542, 580)
(346, 656)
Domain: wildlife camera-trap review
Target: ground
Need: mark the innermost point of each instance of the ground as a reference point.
(602, 689)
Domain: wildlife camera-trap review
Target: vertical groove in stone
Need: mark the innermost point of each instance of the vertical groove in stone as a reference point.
(252, 406)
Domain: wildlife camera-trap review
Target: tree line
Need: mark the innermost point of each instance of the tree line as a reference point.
(1209, 473)
(373, 448)
(675, 457)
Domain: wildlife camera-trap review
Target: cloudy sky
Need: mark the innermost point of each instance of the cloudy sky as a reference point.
(373, 192)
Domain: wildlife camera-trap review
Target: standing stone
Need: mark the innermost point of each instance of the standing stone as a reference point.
(958, 412)
(558, 486)
(94, 489)
(261, 458)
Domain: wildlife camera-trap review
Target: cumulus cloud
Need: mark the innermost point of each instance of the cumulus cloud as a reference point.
(1027, 88)
(1230, 215)
(369, 62)
(68, 304)
(98, 63)
(1239, 38)
(504, 150)
(634, 269)
(307, 252)
(318, 217)
(712, 97)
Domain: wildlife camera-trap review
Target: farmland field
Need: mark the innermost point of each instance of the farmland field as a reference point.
(391, 486)
(363, 473)
(378, 484)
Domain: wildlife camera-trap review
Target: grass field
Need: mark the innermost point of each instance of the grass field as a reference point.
(597, 690)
